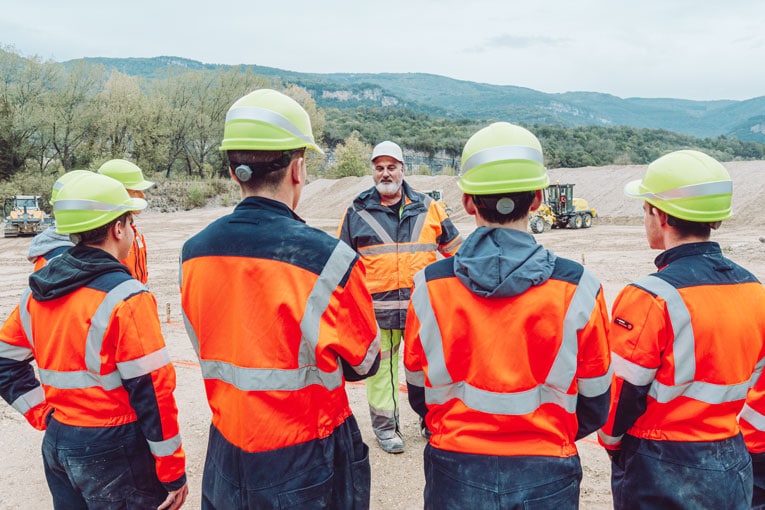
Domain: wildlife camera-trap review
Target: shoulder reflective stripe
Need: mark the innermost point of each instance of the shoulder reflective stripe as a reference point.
(595, 386)
(375, 225)
(370, 357)
(14, 352)
(391, 305)
(684, 342)
(26, 319)
(28, 400)
(632, 372)
(100, 321)
(88, 205)
(418, 225)
(336, 267)
(165, 448)
(79, 379)
(191, 333)
(430, 333)
(384, 249)
(701, 391)
(144, 365)
(610, 440)
(692, 190)
(563, 369)
(270, 379)
(754, 417)
(268, 117)
(415, 378)
(503, 153)
(514, 404)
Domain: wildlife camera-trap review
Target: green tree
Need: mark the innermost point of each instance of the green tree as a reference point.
(352, 157)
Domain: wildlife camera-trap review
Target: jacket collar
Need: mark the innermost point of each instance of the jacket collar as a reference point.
(709, 248)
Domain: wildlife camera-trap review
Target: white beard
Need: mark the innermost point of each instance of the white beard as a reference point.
(388, 188)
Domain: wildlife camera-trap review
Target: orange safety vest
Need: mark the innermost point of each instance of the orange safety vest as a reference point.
(136, 259)
(502, 374)
(691, 340)
(271, 307)
(86, 343)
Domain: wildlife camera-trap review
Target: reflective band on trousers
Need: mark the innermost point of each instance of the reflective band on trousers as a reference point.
(268, 117)
(92, 376)
(503, 153)
(275, 379)
(560, 377)
(684, 349)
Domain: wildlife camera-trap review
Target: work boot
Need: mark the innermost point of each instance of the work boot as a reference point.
(424, 430)
(392, 445)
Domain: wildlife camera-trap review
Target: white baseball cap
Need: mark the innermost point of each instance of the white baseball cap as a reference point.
(388, 148)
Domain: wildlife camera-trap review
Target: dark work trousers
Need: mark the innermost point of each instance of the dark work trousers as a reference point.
(758, 470)
(100, 468)
(682, 475)
(333, 472)
(465, 481)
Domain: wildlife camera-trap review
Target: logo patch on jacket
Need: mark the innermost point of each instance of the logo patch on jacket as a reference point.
(621, 322)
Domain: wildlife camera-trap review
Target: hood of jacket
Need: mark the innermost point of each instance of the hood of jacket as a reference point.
(502, 262)
(75, 268)
(46, 241)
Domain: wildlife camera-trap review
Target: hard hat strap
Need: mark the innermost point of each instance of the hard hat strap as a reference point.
(269, 117)
(502, 153)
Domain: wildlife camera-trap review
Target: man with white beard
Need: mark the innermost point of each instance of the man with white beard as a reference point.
(396, 232)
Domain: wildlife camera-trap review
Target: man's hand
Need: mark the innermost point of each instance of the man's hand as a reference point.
(175, 499)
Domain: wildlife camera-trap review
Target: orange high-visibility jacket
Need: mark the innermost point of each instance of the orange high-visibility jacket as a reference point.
(687, 343)
(136, 259)
(512, 358)
(394, 245)
(95, 335)
(279, 315)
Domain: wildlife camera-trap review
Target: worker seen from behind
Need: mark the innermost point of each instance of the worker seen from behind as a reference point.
(686, 341)
(397, 231)
(49, 243)
(280, 317)
(105, 390)
(506, 345)
(131, 176)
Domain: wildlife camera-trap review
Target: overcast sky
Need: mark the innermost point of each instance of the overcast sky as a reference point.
(690, 49)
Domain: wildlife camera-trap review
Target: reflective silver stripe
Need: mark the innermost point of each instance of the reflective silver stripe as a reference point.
(14, 352)
(513, 404)
(270, 379)
(375, 225)
(754, 417)
(415, 378)
(632, 372)
(503, 153)
(690, 191)
(165, 448)
(191, 333)
(268, 117)
(80, 379)
(67, 204)
(391, 305)
(144, 365)
(595, 386)
(335, 269)
(383, 249)
(28, 400)
(26, 319)
(610, 440)
(418, 225)
(100, 321)
(701, 391)
(430, 333)
(370, 357)
(757, 372)
(447, 248)
(684, 342)
(563, 369)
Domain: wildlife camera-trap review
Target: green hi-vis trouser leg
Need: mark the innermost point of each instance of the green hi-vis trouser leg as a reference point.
(382, 388)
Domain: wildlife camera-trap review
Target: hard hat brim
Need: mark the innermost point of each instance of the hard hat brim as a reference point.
(632, 189)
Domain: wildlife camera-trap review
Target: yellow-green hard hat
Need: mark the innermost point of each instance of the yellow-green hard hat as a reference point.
(87, 202)
(267, 120)
(686, 184)
(502, 158)
(128, 173)
(65, 179)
